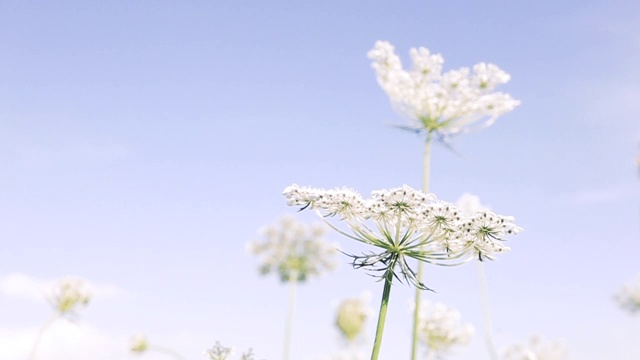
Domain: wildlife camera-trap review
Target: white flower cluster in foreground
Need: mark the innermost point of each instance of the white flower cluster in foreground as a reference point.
(295, 250)
(629, 296)
(436, 102)
(407, 223)
(440, 328)
(535, 350)
(68, 295)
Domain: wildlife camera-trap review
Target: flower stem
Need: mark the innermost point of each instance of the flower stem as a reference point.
(484, 294)
(45, 326)
(426, 164)
(383, 313)
(289, 324)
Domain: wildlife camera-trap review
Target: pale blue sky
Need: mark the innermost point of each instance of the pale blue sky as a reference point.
(142, 144)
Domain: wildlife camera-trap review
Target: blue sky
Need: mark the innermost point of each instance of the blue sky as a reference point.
(143, 144)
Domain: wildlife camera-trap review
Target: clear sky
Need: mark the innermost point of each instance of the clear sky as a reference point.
(143, 144)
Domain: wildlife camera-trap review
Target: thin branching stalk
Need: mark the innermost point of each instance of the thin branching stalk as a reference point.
(426, 164)
(383, 313)
(484, 294)
(288, 332)
(36, 343)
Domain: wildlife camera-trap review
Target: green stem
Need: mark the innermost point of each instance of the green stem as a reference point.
(167, 351)
(426, 164)
(34, 349)
(484, 294)
(289, 324)
(383, 313)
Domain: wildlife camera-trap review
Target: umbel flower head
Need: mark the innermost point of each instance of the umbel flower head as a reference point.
(139, 344)
(440, 328)
(219, 352)
(68, 295)
(629, 296)
(404, 223)
(352, 315)
(295, 250)
(536, 350)
(439, 103)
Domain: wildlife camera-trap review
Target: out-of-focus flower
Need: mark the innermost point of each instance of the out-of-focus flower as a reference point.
(470, 204)
(139, 344)
(295, 250)
(219, 352)
(536, 350)
(352, 315)
(629, 296)
(440, 328)
(406, 223)
(444, 104)
(68, 295)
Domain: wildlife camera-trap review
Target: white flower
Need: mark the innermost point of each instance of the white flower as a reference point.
(295, 250)
(629, 296)
(440, 328)
(352, 315)
(470, 204)
(535, 350)
(442, 103)
(219, 352)
(406, 223)
(139, 343)
(68, 295)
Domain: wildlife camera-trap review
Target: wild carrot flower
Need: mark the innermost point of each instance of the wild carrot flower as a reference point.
(139, 344)
(440, 328)
(219, 352)
(68, 295)
(352, 316)
(295, 250)
(439, 103)
(535, 350)
(629, 296)
(404, 223)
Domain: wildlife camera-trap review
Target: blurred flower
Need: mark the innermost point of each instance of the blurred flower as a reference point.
(629, 296)
(535, 350)
(352, 315)
(296, 251)
(68, 295)
(219, 352)
(440, 328)
(470, 204)
(407, 223)
(444, 104)
(139, 344)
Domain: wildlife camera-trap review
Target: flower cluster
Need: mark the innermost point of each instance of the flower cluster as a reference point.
(219, 352)
(294, 250)
(139, 344)
(442, 103)
(352, 315)
(407, 223)
(629, 296)
(68, 295)
(535, 350)
(440, 328)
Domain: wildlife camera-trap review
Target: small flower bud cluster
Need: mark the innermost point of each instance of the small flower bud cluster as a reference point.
(629, 296)
(219, 352)
(440, 328)
(295, 250)
(409, 222)
(68, 295)
(444, 103)
(139, 344)
(352, 315)
(535, 350)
